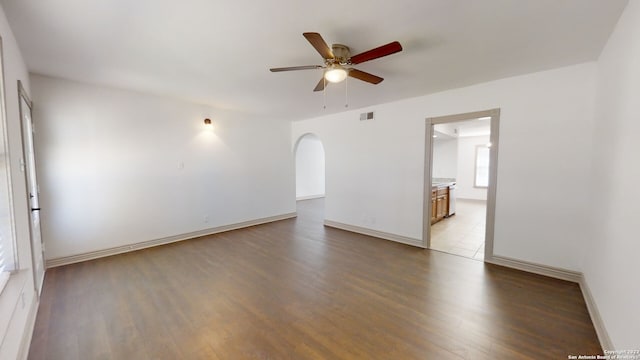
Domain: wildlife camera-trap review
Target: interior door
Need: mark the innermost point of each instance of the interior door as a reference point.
(33, 192)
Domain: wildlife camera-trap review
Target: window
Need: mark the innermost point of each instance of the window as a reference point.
(8, 261)
(7, 248)
(4, 274)
(482, 166)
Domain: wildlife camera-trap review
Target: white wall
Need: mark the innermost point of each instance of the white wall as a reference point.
(15, 322)
(108, 151)
(445, 158)
(611, 261)
(309, 167)
(375, 169)
(118, 167)
(465, 181)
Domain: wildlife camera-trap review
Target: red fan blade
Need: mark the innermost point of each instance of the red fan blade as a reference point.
(384, 50)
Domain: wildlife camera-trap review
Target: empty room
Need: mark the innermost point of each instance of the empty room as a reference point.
(291, 180)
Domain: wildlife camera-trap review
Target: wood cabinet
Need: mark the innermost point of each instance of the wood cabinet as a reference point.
(439, 203)
(434, 207)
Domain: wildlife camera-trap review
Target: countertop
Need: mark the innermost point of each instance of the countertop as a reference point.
(441, 185)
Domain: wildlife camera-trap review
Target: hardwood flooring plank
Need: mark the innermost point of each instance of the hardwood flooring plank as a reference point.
(294, 289)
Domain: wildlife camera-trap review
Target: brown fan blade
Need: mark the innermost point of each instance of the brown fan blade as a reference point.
(365, 76)
(384, 50)
(319, 44)
(321, 85)
(293, 68)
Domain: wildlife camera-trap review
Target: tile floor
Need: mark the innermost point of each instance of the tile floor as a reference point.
(463, 233)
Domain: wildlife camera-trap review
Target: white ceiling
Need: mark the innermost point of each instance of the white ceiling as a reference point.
(219, 52)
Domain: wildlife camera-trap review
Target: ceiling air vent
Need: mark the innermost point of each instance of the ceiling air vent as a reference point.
(366, 116)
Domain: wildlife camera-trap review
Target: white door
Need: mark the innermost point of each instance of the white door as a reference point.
(33, 192)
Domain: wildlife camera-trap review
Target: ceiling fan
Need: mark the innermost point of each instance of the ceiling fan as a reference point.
(338, 61)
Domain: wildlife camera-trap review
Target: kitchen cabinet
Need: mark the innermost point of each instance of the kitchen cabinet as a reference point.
(434, 207)
(439, 203)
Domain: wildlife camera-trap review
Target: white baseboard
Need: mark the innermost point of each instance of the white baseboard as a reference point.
(596, 319)
(550, 271)
(479, 201)
(309, 197)
(375, 233)
(150, 243)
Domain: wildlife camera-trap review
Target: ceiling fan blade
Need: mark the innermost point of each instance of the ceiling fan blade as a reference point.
(321, 85)
(384, 50)
(293, 68)
(365, 76)
(319, 44)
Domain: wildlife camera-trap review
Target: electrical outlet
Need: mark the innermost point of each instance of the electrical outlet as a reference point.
(206, 219)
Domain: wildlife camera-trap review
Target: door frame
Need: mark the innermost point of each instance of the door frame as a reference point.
(494, 114)
(23, 96)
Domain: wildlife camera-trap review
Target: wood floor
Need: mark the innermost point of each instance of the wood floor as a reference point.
(297, 290)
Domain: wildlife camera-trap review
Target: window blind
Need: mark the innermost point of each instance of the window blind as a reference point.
(2, 261)
(4, 275)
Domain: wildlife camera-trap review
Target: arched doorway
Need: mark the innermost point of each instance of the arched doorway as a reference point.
(310, 167)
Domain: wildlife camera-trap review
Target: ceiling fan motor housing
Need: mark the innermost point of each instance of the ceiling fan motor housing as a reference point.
(341, 54)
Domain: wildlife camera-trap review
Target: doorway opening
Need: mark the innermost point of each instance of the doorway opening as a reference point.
(460, 187)
(310, 167)
(310, 177)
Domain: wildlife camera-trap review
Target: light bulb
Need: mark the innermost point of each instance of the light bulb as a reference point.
(335, 74)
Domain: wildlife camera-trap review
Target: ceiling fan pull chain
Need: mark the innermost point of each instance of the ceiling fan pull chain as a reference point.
(324, 93)
(346, 92)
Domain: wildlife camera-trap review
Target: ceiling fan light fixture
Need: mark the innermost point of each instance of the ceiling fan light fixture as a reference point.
(335, 74)
(338, 61)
